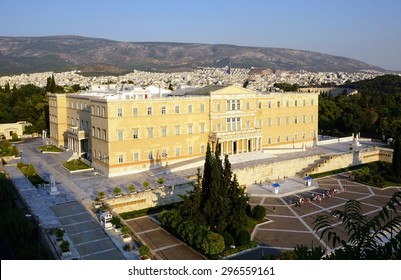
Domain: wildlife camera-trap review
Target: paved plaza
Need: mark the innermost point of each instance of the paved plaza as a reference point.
(285, 227)
(288, 225)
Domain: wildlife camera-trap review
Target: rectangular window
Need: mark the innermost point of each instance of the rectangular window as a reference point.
(269, 104)
(150, 155)
(260, 122)
(238, 123)
(296, 103)
(136, 156)
(150, 111)
(150, 132)
(202, 149)
(312, 135)
(295, 136)
(135, 133)
(238, 104)
(134, 111)
(103, 112)
(278, 104)
(190, 150)
(218, 107)
(202, 128)
(312, 118)
(260, 104)
(228, 124)
(228, 107)
(164, 153)
(189, 108)
(304, 102)
(164, 110)
(232, 105)
(190, 128)
(177, 152)
(120, 158)
(303, 135)
(278, 139)
(287, 120)
(98, 111)
(287, 103)
(303, 119)
(104, 135)
(248, 124)
(311, 102)
(98, 133)
(177, 109)
(202, 107)
(269, 121)
(93, 110)
(296, 119)
(93, 131)
(287, 137)
(218, 127)
(164, 131)
(279, 121)
(119, 112)
(269, 140)
(177, 129)
(248, 106)
(120, 135)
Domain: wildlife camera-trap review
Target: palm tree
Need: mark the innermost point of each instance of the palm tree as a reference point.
(378, 237)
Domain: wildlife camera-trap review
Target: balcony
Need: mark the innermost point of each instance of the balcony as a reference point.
(78, 134)
(236, 135)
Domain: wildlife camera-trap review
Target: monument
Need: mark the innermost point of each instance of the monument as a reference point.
(53, 188)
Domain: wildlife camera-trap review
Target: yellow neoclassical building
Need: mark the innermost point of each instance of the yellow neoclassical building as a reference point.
(123, 132)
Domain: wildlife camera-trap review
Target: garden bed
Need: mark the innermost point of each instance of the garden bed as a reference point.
(49, 149)
(77, 165)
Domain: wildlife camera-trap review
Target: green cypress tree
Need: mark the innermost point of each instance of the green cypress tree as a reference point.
(7, 88)
(53, 84)
(238, 201)
(396, 163)
(207, 173)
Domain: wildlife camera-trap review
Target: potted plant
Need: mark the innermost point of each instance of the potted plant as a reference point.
(101, 195)
(160, 181)
(146, 185)
(131, 188)
(59, 236)
(116, 223)
(125, 234)
(144, 252)
(65, 248)
(117, 192)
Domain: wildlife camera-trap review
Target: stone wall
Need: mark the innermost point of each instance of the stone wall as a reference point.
(151, 198)
(272, 171)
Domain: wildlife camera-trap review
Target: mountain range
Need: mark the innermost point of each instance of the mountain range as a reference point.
(93, 55)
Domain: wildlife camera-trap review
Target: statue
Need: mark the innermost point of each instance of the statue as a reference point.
(53, 187)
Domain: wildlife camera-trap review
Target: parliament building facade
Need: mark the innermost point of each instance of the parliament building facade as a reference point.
(128, 131)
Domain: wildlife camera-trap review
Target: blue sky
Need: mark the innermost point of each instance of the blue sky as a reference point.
(367, 30)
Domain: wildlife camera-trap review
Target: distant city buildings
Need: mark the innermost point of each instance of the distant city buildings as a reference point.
(123, 130)
(256, 80)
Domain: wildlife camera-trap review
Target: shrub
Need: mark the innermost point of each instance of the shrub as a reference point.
(117, 191)
(144, 250)
(146, 184)
(243, 237)
(160, 181)
(59, 233)
(30, 171)
(378, 181)
(14, 137)
(65, 246)
(131, 188)
(228, 239)
(101, 195)
(258, 212)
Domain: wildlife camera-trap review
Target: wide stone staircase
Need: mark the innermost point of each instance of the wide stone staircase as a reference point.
(314, 166)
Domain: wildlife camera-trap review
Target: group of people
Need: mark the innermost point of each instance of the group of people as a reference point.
(315, 197)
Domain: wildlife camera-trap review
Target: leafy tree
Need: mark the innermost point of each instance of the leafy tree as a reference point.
(117, 191)
(259, 212)
(367, 238)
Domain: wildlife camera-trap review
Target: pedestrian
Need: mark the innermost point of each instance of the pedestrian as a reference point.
(274, 209)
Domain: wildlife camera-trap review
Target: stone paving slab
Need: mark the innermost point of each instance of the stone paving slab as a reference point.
(77, 218)
(142, 224)
(179, 252)
(78, 239)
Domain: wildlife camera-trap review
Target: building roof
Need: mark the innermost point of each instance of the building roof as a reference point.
(205, 90)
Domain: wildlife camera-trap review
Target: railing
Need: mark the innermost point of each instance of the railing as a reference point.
(80, 134)
(237, 134)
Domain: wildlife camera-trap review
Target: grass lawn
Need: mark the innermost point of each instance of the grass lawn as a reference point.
(50, 148)
(31, 175)
(76, 164)
(251, 223)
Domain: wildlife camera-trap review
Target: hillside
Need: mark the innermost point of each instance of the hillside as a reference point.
(60, 53)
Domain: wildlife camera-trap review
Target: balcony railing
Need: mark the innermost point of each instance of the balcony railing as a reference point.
(237, 134)
(80, 134)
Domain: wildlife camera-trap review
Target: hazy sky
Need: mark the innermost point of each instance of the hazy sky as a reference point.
(366, 30)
